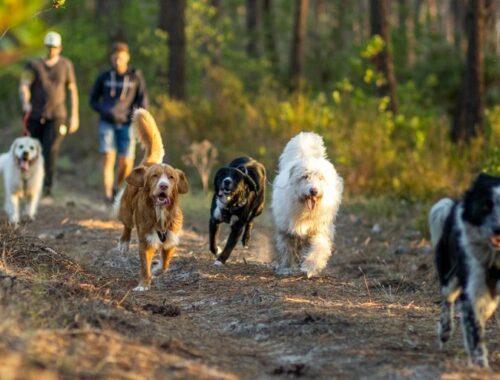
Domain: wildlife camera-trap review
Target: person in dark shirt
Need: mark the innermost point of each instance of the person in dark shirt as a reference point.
(43, 97)
(115, 95)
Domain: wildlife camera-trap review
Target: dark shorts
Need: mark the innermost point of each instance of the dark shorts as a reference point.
(116, 137)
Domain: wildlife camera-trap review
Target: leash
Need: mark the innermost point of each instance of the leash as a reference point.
(25, 130)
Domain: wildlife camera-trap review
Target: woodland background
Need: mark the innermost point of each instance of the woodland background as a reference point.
(405, 93)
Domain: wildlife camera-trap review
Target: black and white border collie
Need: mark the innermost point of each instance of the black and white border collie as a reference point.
(466, 238)
(239, 190)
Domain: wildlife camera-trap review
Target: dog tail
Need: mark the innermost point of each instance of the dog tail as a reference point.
(149, 136)
(437, 217)
(303, 145)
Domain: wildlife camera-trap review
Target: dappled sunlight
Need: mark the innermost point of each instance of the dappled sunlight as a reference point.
(100, 224)
(358, 304)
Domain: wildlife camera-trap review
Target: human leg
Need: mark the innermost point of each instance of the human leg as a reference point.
(107, 147)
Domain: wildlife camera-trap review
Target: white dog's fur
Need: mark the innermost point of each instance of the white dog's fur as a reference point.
(305, 223)
(23, 172)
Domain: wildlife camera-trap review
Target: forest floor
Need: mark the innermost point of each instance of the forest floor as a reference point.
(67, 309)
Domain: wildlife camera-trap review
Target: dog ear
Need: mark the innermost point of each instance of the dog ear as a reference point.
(136, 178)
(217, 177)
(292, 171)
(182, 185)
(250, 182)
(38, 147)
(13, 147)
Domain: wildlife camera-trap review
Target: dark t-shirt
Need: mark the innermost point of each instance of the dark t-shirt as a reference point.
(48, 89)
(116, 96)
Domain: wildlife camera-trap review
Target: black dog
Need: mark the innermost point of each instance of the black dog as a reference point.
(466, 237)
(239, 191)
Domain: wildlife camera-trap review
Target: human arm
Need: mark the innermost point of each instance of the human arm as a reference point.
(27, 78)
(96, 94)
(74, 120)
(142, 99)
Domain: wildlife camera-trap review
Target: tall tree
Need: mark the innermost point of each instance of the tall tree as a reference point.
(383, 60)
(456, 8)
(109, 13)
(269, 33)
(468, 120)
(173, 20)
(253, 16)
(298, 42)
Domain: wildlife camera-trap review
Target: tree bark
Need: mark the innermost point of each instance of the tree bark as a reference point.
(298, 42)
(468, 120)
(269, 34)
(253, 11)
(456, 7)
(383, 60)
(174, 21)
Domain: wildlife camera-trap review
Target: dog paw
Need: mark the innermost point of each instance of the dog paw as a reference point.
(309, 269)
(480, 360)
(156, 268)
(218, 263)
(281, 271)
(140, 288)
(123, 247)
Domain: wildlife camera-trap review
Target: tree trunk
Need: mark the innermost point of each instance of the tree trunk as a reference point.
(468, 121)
(172, 19)
(403, 29)
(456, 7)
(298, 41)
(269, 35)
(108, 13)
(383, 60)
(253, 9)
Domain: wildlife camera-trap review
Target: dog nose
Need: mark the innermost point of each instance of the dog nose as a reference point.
(313, 191)
(26, 155)
(163, 186)
(227, 182)
(496, 230)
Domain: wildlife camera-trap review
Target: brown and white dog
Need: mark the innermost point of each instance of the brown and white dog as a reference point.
(150, 202)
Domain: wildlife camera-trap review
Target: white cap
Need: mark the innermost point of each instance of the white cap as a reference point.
(52, 39)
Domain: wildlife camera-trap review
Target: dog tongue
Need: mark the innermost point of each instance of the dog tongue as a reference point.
(164, 201)
(24, 165)
(311, 203)
(495, 241)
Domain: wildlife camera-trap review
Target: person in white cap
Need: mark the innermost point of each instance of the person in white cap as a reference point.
(42, 89)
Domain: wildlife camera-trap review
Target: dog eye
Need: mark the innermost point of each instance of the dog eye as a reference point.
(170, 177)
(21, 146)
(154, 176)
(32, 148)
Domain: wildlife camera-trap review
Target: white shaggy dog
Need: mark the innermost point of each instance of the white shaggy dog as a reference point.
(23, 172)
(306, 196)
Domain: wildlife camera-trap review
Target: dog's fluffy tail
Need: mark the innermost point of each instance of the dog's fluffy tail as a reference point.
(437, 217)
(149, 136)
(303, 145)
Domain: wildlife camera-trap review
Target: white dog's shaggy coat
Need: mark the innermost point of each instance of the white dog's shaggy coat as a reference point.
(23, 172)
(306, 196)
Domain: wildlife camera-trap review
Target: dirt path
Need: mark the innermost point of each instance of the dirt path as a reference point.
(371, 315)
